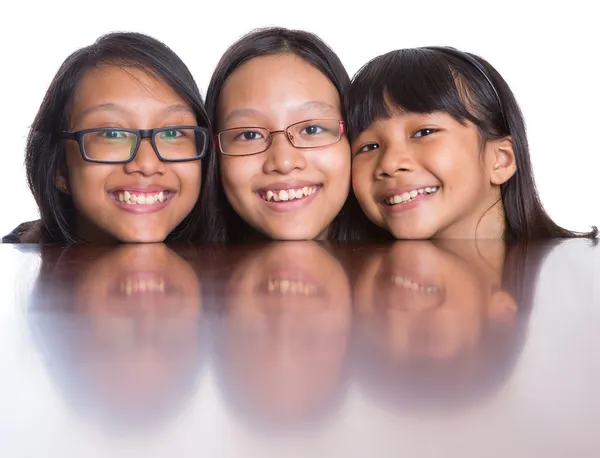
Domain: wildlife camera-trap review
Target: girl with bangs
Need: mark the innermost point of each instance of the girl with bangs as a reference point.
(440, 150)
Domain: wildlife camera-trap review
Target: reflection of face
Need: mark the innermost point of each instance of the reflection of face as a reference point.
(111, 96)
(275, 92)
(420, 301)
(423, 176)
(287, 327)
(143, 305)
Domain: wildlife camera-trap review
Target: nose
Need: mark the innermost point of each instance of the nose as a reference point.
(393, 160)
(282, 157)
(146, 160)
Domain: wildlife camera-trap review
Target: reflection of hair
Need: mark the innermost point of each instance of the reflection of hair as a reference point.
(58, 330)
(475, 374)
(45, 153)
(222, 223)
(468, 88)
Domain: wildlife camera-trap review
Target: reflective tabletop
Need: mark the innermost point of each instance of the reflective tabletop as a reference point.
(418, 349)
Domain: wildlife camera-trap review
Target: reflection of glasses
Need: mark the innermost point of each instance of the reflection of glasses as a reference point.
(107, 145)
(313, 133)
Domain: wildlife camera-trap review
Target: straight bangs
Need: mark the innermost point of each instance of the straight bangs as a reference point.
(407, 80)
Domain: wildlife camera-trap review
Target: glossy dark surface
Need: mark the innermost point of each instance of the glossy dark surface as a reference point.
(300, 349)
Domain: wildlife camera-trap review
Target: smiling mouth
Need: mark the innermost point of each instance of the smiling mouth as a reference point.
(134, 285)
(291, 287)
(412, 285)
(286, 195)
(409, 196)
(140, 198)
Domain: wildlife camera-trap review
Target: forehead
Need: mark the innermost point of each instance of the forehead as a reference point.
(274, 86)
(115, 84)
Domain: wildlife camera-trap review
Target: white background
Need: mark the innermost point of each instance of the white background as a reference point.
(547, 53)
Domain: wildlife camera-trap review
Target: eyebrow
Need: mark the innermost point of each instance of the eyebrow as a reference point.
(175, 108)
(323, 108)
(320, 106)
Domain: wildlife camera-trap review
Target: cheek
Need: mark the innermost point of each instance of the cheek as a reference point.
(455, 164)
(189, 175)
(362, 180)
(335, 165)
(87, 179)
(237, 172)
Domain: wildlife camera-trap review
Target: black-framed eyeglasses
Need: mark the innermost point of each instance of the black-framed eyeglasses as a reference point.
(108, 145)
(312, 133)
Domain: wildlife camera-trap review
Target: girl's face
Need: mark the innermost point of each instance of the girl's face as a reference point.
(423, 176)
(285, 192)
(156, 195)
(287, 327)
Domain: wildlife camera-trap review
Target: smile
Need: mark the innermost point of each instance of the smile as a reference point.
(412, 285)
(140, 198)
(285, 195)
(285, 286)
(409, 196)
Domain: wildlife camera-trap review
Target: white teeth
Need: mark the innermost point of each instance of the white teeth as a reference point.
(291, 287)
(289, 194)
(412, 285)
(411, 195)
(126, 197)
(130, 286)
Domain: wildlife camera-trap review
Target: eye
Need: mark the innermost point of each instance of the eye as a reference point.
(170, 134)
(113, 134)
(424, 133)
(248, 135)
(368, 147)
(313, 130)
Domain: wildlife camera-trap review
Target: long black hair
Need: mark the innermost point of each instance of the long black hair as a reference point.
(45, 152)
(468, 88)
(221, 222)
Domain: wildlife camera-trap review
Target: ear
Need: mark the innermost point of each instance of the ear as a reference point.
(62, 183)
(502, 163)
(502, 308)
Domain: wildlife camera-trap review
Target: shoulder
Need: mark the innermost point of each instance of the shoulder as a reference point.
(29, 232)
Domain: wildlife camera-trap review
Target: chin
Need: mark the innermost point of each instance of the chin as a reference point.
(290, 236)
(142, 238)
(412, 234)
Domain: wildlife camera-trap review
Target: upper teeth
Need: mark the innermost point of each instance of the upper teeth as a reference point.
(291, 287)
(410, 195)
(289, 194)
(413, 285)
(141, 198)
(133, 286)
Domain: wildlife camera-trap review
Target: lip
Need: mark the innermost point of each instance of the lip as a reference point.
(403, 207)
(128, 284)
(382, 196)
(140, 208)
(140, 188)
(294, 275)
(289, 205)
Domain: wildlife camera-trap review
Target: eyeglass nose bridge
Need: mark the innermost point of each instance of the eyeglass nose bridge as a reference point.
(288, 135)
(145, 134)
